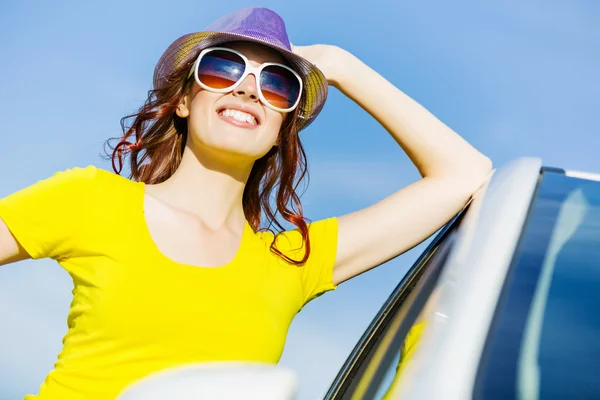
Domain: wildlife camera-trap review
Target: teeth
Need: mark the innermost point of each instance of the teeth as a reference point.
(239, 116)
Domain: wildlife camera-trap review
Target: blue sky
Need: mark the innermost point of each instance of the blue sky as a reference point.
(515, 78)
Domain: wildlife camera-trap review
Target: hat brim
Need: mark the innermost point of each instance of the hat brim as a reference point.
(187, 47)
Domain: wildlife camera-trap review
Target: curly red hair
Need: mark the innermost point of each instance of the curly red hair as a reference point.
(155, 139)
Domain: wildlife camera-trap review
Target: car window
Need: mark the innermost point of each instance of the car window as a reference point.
(545, 338)
(406, 344)
(377, 363)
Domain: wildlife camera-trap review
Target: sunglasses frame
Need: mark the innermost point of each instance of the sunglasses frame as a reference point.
(249, 69)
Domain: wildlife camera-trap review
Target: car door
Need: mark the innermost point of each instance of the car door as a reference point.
(377, 361)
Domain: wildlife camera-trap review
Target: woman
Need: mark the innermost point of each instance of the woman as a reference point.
(171, 267)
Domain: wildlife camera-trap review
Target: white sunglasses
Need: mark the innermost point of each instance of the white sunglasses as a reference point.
(221, 70)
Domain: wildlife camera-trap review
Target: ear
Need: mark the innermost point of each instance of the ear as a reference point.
(183, 110)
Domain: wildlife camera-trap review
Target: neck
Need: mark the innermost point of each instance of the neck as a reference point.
(207, 186)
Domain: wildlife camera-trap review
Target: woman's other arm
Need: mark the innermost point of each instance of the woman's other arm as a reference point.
(10, 249)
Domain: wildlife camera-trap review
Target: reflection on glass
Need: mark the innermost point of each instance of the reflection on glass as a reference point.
(570, 217)
(405, 354)
(546, 341)
(398, 342)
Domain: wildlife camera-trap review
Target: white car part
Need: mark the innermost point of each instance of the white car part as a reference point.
(216, 381)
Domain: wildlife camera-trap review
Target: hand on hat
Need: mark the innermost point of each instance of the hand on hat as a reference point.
(327, 58)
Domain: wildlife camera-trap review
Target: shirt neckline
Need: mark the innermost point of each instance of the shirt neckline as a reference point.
(147, 237)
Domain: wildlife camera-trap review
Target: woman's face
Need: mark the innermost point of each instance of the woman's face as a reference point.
(211, 128)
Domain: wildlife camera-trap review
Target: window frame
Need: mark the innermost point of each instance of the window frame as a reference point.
(358, 364)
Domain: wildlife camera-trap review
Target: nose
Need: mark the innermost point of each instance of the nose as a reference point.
(247, 88)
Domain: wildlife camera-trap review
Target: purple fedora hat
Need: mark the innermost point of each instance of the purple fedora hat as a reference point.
(254, 24)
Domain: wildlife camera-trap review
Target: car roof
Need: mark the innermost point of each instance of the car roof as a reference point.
(583, 175)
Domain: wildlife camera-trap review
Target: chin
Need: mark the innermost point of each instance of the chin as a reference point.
(234, 146)
(225, 137)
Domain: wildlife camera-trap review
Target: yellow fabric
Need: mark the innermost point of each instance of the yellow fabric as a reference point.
(410, 344)
(406, 353)
(134, 310)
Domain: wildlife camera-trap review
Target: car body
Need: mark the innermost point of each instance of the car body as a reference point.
(502, 304)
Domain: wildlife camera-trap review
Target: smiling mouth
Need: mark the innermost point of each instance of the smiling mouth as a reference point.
(238, 118)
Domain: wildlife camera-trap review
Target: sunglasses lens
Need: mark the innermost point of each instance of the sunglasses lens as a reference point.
(279, 86)
(220, 69)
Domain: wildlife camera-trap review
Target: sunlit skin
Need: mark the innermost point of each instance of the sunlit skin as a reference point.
(223, 141)
(196, 216)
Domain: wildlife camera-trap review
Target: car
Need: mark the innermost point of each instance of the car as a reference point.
(502, 304)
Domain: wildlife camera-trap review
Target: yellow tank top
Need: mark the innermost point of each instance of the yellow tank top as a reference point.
(134, 310)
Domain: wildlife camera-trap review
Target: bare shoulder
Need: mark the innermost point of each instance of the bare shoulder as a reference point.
(10, 249)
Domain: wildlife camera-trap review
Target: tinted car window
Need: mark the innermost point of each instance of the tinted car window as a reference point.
(406, 343)
(545, 338)
(378, 361)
